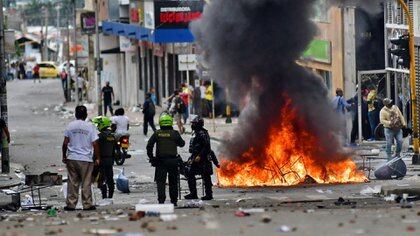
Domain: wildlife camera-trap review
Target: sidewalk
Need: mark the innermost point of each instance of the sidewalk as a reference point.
(218, 129)
(11, 180)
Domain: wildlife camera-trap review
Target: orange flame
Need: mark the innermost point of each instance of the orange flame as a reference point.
(290, 158)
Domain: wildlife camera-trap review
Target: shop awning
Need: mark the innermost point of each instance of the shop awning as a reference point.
(144, 34)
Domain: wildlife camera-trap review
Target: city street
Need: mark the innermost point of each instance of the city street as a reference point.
(300, 117)
(37, 130)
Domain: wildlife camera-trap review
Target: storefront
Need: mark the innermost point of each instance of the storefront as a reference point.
(160, 30)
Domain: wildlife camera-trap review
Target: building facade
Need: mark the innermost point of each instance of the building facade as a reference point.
(140, 43)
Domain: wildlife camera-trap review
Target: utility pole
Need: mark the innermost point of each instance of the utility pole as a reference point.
(5, 159)
(47, 13)
(68, 92)
(57, 38)
(414, 103)
(75, 52)
(98, 60)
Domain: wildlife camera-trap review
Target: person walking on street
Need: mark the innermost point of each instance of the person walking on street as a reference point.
(107, 143)
(108, 97)
(79, 146)
(166, 160)
(209, 99)
(200, 162)
(63, 77)
(36, 73)
(340, 104)
(372, 112)
(22, 70)
(204, 111)
(149, 112)
(178, 108)
(80, 86)
(152, 92)
(393, 121)
(186, 97)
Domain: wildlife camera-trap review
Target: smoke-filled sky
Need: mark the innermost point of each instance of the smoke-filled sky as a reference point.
(251, 47)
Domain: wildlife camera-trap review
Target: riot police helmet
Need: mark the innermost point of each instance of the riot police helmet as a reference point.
(166, 120)
(197, 123)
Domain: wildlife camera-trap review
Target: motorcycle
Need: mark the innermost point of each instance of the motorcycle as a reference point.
(121, 150)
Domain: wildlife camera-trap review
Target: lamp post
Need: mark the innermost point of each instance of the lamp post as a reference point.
(98, 60)
(414, 109)
(5, 160)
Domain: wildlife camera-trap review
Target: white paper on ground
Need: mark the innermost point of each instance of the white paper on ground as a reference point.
(161, 208)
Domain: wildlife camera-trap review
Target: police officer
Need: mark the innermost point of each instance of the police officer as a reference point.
(107, 144)
(200, 161)
(166, 160)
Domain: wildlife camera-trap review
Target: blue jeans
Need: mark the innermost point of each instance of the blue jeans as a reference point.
(373, 122)
(389, 136)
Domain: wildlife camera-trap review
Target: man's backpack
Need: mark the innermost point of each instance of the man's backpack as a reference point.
(180, 106)
(152, 108)
(396, 122)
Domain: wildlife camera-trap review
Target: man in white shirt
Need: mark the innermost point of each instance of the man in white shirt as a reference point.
(79, 146)
(121, 121)
(203, 100)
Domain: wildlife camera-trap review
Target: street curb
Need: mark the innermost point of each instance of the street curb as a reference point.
(413, 189)
(13, 179)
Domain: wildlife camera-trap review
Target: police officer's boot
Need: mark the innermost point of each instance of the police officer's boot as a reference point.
(207, 197)
(104, 191)
(208, 188)
(192, 185)
(191, 196)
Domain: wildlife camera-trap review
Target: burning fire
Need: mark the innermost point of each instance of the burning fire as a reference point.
(292, 156)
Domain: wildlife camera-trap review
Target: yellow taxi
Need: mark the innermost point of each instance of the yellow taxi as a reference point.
(47, 69)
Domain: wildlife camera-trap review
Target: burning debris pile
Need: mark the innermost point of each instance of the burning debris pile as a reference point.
(288, 131)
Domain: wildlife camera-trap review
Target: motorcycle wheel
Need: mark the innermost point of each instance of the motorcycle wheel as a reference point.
(119, 157)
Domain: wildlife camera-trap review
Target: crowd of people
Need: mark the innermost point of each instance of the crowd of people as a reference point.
(377, 114)
(89, 147)
(19, 70)
(181, 104)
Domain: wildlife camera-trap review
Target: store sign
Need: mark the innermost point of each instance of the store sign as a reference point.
(177, 14)
(88, 22)
(149, 15)
(187, 62)
(9, 41)
(134, 12)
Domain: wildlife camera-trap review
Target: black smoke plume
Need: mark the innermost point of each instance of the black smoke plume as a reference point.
(251, 47)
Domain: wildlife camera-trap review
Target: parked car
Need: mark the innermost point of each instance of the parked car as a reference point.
(48, 70)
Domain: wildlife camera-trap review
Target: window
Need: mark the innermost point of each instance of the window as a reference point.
(326, 77)
(321, 11)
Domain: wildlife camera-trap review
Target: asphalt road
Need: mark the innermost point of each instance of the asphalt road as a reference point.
(37, 133)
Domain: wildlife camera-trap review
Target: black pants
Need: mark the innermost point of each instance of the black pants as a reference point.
(106, 105)
(192, 184)
(354, 129)
(148, 120)
(160, 177)
(106, 181)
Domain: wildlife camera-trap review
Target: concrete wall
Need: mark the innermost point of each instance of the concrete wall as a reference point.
(349, 63)
(131, 84)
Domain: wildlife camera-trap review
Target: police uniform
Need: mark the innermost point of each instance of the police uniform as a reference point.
(107, 144)
(166, 160)
(201, 163)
